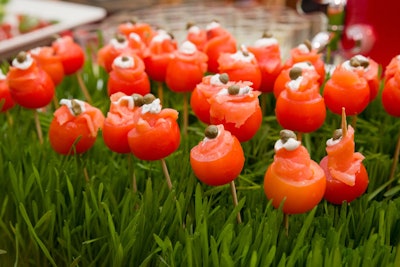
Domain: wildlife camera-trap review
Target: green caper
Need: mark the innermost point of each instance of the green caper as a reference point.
(295, 72)
(21, 57)
(75, 107)
(234, 89)
(211, 131)
(286, 134)
(138, 100)
(337, 134)
(224, 78)
(148, 98)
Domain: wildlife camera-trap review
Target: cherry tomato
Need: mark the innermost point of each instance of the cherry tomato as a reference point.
(241, 66)
(128, 76)
(392, 68)
(347, 178)
(30, 86)
(391, 95)
(115, 47)
(121, 118)
(144, 30)
(200, 97)
(284, 77)
(160, 53)
(219, 41)
(187, 69)
(268, 55)
(293, 179)
(156, 134)
(74, 127)
(238, 109)
(46, 59)
(71, 54)
(300, 107)
(303, 53)
(371, 74)
(6, 101)
(347, 88)
(218, 159)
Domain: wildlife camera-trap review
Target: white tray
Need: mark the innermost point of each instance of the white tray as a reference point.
(68, 15)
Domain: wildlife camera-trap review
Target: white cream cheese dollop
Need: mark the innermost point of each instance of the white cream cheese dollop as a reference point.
(187, 48)
(290, 145)
(124, 62)
(23, 65)
(215, 80)
(332, 142)
(153, 108)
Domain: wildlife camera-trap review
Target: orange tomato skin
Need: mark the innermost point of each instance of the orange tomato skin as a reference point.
(296, 196)
(72, 135)
(71, 54)
(300, 115)
(50, 62)
(116, 136)
(154, 137)
(239, 70)
(337, 192)
(184, 72)
(247, 130)
(217, 161)
(31, 88)
(6, 101)
(346, 89)
(391, 95)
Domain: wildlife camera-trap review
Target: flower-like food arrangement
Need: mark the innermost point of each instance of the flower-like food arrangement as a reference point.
(268, 55)
(347, 88)
(300, 107)
(48, 60)
(121, 118)
(156, 133)
(293, 179)
(219, 158)
(30, 86)
(237, 107)
(241, 66)
(128, 75)
(74, 127)
(200, 97)
(71, 54)
(346, 176)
